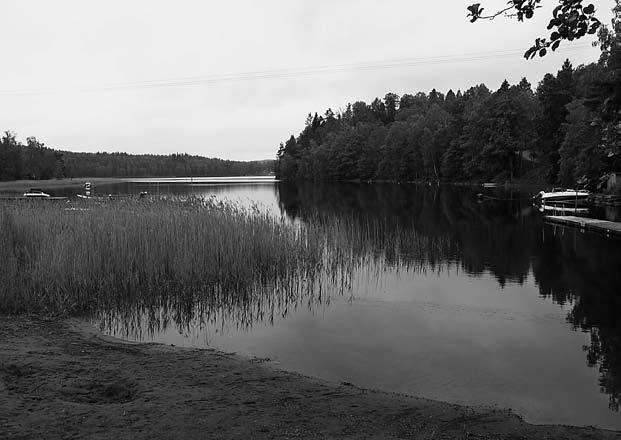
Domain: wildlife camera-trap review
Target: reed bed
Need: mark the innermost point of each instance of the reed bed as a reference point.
(62, 259)
(179, 260)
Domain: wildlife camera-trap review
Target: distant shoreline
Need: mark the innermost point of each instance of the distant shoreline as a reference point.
(19, 186)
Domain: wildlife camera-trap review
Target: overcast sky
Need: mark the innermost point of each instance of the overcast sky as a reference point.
(67, 54)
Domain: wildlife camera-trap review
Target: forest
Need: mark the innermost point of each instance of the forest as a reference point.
(35, 161)
(566, 130)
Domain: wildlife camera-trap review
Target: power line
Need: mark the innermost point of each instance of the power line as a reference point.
(286, 73)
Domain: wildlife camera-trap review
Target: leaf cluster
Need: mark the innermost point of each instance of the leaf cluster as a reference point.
(571, 20)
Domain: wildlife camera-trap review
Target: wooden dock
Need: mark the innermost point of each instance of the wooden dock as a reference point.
(604, 199)
(588, 224)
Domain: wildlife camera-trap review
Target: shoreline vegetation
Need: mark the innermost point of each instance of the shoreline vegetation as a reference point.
(19, 186)
(63, 378)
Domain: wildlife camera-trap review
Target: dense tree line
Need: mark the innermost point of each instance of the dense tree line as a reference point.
(150, 165)
(30, 161)
(567, 130)
(35, 161)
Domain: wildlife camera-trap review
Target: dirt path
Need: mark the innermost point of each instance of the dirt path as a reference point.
(61, 379)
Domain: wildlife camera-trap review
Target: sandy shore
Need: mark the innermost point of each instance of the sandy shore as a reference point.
(63, 379)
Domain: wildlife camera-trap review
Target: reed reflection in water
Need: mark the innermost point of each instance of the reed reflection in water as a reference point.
(346, 255)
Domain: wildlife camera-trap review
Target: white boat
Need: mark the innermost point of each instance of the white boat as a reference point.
(561, 209)
(35, 193)
(562, 195)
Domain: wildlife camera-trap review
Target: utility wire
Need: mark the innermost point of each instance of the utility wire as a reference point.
(285, 73)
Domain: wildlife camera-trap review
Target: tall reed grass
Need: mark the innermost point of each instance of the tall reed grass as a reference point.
(175, 259)
(73, 260)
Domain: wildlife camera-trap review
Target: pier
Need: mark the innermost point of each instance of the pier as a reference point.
(588, 224)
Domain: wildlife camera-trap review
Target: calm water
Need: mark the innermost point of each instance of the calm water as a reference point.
(484, 305)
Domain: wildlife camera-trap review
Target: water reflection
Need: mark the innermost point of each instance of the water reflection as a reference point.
(503, 237)
(581, 269)
(249, 190)
(491, 236)
(435, 293)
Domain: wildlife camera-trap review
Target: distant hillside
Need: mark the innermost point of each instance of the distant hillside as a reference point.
(35, 161)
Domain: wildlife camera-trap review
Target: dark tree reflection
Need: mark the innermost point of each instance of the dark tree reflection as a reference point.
(581, 269)
(495, 236)
(503, 236)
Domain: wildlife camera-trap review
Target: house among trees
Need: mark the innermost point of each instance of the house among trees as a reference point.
(613, 183)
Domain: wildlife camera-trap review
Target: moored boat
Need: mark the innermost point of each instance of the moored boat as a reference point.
(562, 209)
(562, 195)
(35, 193)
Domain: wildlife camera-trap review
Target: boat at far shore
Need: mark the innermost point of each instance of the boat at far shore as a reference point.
(35, 193)
(562, 195)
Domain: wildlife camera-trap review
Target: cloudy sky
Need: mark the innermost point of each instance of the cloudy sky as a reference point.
(233, 79)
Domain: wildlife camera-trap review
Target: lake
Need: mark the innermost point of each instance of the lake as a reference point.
(480, 304)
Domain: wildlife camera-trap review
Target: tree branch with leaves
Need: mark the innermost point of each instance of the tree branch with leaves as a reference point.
(571, 20)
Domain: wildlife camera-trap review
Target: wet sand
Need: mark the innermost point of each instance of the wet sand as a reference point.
(63, 379)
